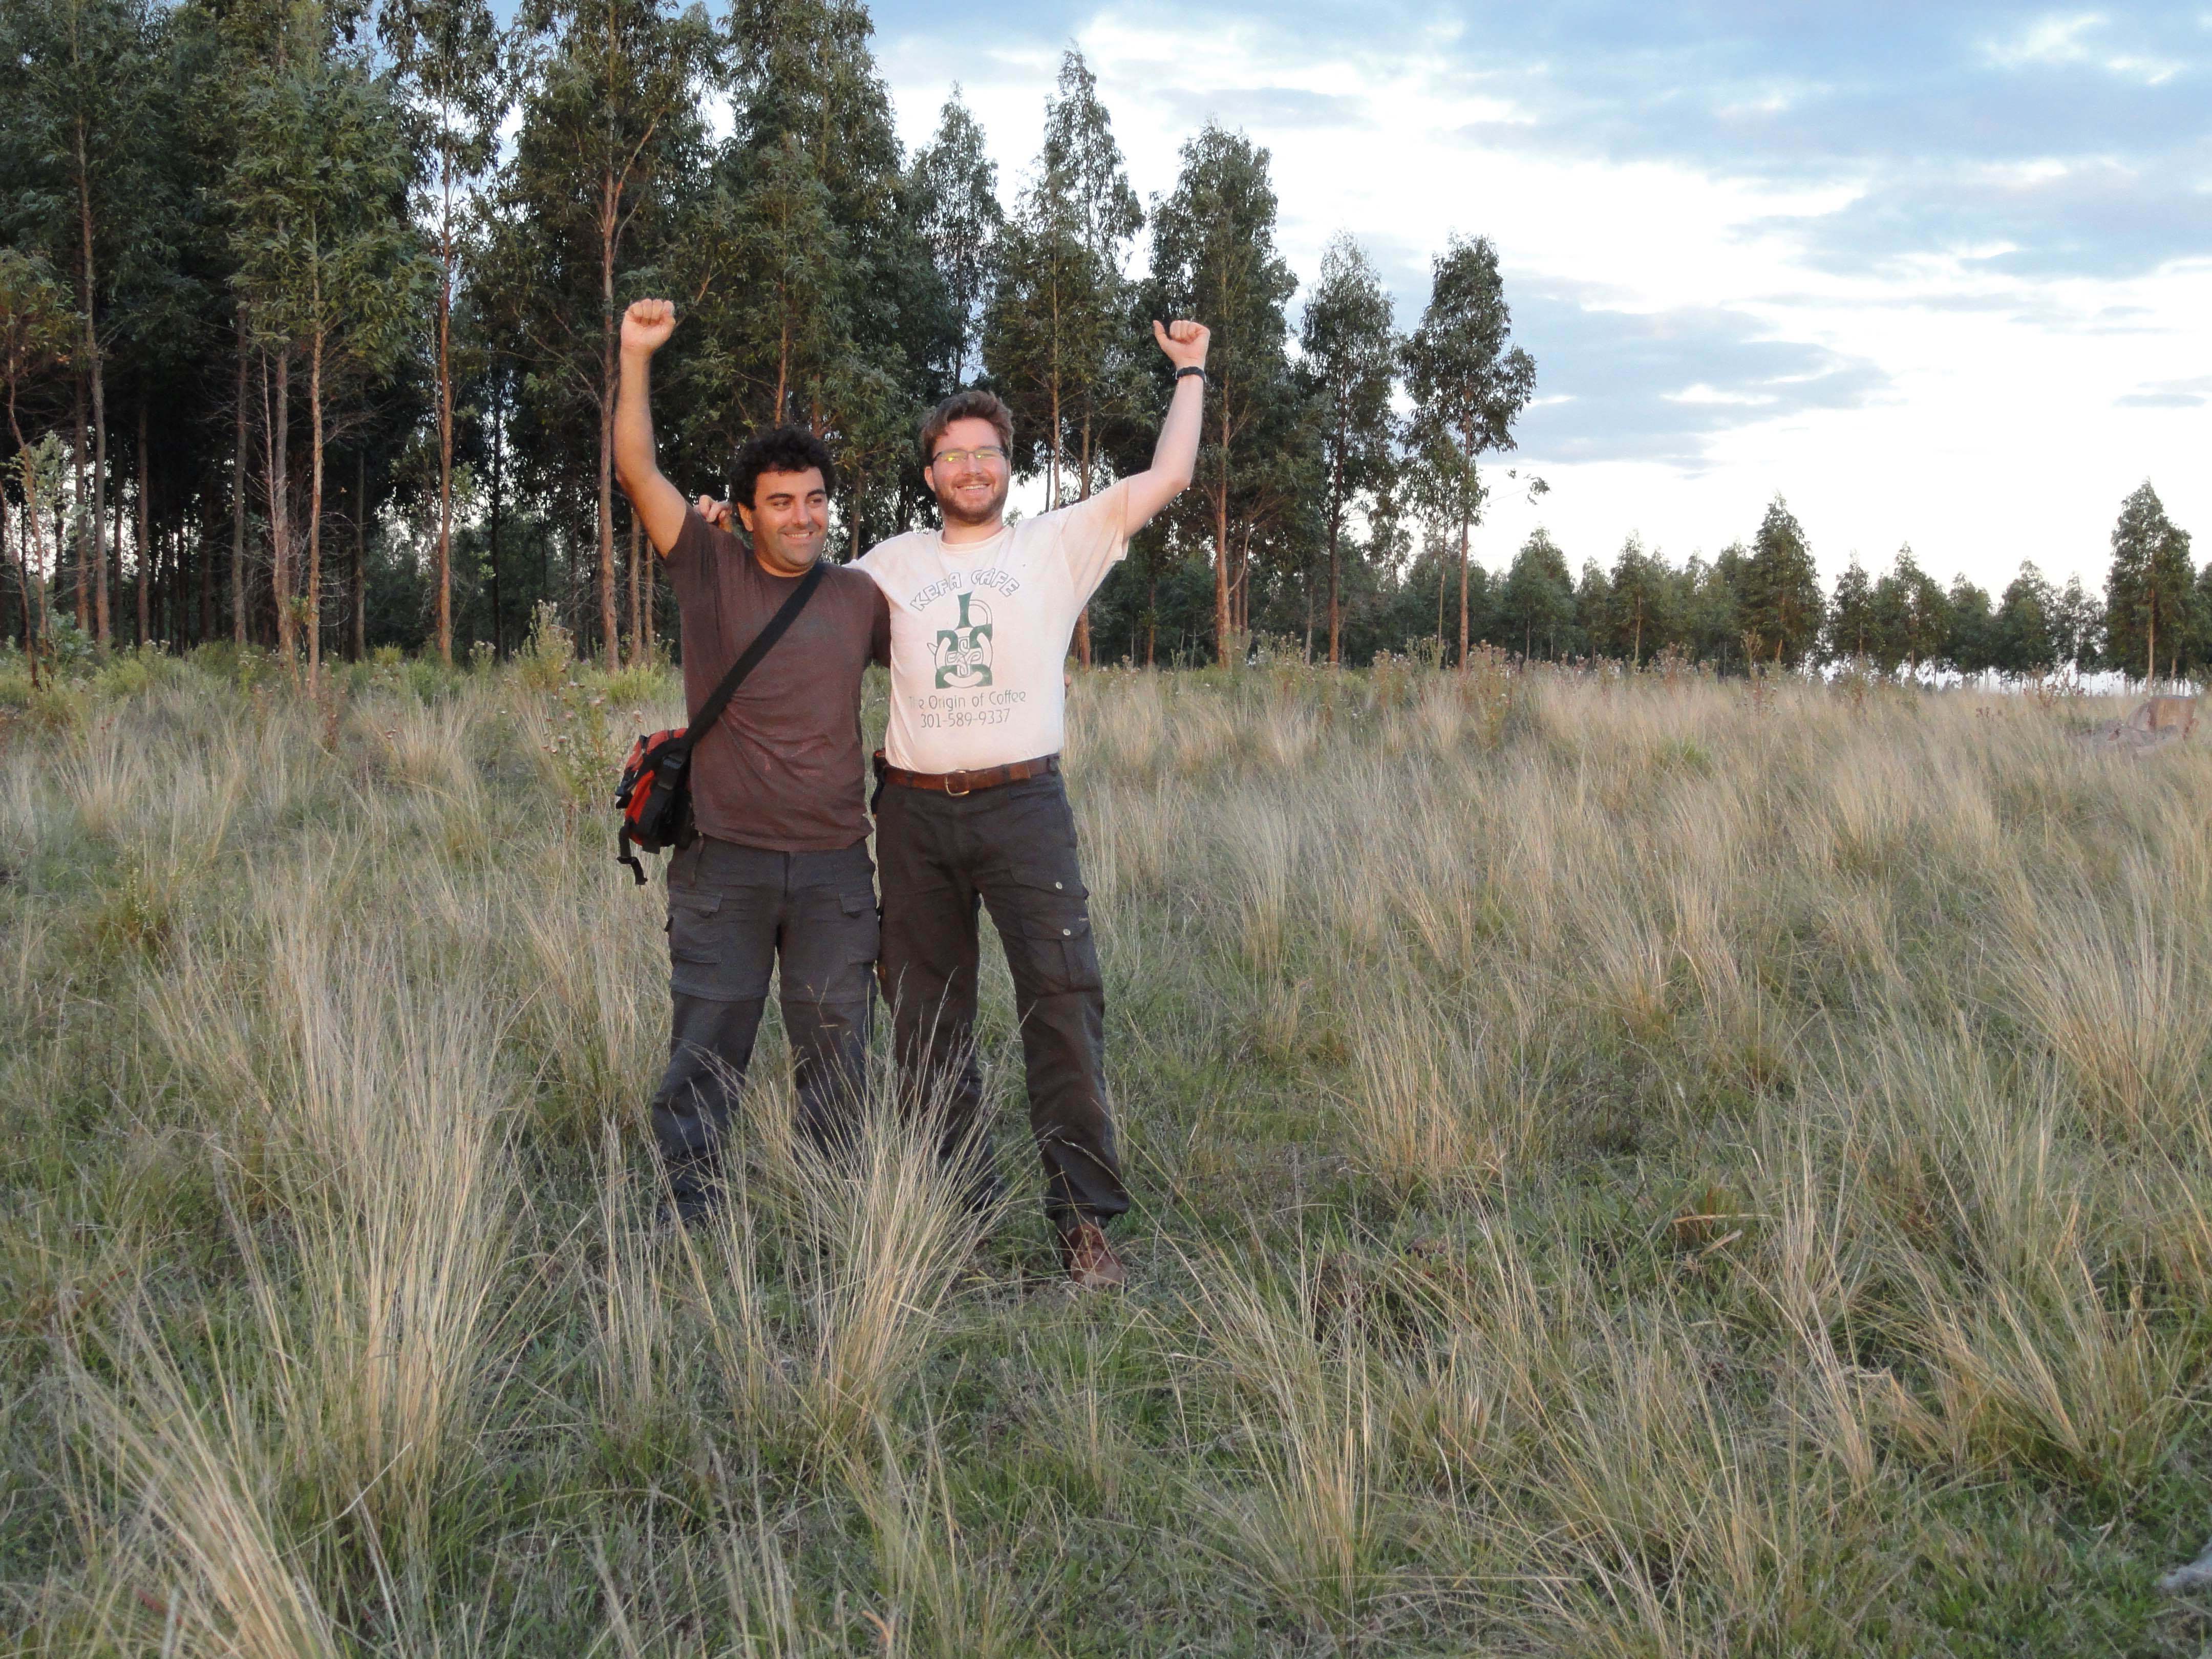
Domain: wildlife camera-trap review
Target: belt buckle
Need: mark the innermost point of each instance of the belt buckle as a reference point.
(956, 794)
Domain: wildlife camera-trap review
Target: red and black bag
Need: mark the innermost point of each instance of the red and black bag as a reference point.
(654, 795)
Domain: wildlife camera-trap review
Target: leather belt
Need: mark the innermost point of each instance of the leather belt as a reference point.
(966, 783)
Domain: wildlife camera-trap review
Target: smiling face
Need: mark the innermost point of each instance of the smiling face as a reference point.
(970, 487)
(789, 521)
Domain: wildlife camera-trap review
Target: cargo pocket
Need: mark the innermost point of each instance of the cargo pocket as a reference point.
(1052, 927)
(713, 952)
(863, 926)
(830, 949)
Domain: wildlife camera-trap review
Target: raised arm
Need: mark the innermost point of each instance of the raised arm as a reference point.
(1175, 457)
(658, 503)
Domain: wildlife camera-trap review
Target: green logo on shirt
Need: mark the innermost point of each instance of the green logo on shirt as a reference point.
(963, 651)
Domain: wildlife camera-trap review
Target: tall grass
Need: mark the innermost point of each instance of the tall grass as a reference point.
(1622, 1166)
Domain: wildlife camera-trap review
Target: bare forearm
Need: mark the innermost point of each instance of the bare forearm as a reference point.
(1175, 456)
(658, 503)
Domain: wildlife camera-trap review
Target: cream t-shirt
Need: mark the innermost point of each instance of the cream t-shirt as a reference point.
(980, 629)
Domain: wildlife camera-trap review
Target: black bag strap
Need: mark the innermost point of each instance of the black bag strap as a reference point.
(711, 710)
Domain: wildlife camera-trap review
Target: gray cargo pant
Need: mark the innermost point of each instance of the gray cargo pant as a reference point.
(1013, 848)
(733, 913)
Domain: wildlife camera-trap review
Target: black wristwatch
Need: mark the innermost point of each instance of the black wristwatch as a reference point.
(1189, 369)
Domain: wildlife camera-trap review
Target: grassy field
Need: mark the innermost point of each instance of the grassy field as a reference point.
(1642, 1167)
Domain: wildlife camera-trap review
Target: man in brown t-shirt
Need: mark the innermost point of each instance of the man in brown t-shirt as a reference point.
(780, 869)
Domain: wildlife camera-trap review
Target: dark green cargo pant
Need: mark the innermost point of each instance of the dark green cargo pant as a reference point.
(1013, 848)
(734, 914)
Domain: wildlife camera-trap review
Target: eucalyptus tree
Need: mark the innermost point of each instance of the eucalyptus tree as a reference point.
(1713, 620)
(1910, 623)
(1087, 181)
(1214, 258)
(445, 54)
(2076, 625)
(954, 186)
(1536, 600)
(326, 257)
(1593, 607)
(1058, 337)
(2024, 643)
(2147, 585)
(818, 301)
(1349, 348)
(1970, 641)
(611, 138)
(1641, 608)
(85, 104)
(36, 330)
(1059, 310)
(1852, 624)
(1468, 385)
(1783, 606)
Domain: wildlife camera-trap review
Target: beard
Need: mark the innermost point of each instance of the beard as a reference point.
(955, 513)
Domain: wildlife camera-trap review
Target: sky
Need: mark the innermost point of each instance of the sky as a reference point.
(1935, 274)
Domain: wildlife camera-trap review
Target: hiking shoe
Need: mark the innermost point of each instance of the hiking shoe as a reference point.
(1090, 1260)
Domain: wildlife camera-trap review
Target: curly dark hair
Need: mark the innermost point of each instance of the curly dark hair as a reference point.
(779, 449)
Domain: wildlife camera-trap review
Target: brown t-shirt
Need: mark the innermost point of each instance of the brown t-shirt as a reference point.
(781, 769)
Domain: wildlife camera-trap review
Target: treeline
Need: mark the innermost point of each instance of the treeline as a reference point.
(1765, 601)
(308, 316)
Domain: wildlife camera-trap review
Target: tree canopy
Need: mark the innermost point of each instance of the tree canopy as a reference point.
(308, 310)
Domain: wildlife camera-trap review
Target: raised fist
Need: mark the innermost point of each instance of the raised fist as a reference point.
(1184, 342)
(648, 323)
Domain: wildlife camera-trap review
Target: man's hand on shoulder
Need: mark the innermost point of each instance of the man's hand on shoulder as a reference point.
(647, 324)
(715, 512)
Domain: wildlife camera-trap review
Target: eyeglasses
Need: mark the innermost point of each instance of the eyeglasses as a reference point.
(986, 455)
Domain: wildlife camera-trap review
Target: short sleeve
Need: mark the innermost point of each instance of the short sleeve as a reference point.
(696, 543)
(879, 632)
(1093, 537)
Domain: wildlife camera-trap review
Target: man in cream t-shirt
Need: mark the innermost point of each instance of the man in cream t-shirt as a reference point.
(972, 809)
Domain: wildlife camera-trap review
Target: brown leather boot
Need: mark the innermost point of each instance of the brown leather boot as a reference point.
(1091, 1261)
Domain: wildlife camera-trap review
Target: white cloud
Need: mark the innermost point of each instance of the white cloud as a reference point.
(1990, 421)
(2057, 41)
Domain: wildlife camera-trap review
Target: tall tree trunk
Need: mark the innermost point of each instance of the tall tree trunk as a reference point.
(88, 527)
(1052, 454)
(357, 634)
(112, 546)
(1082, 619)
(31, 641)
(91, 297)
(315, 510)
(498, 501)
(277, 426)
(1466, 531)
(240, 461)
(782, 367)
(145, 540)
(1221, 623)
(1335, 527)
(636, 593)
(23, 558)
(609, 206)
(446, 424)
(203, 567)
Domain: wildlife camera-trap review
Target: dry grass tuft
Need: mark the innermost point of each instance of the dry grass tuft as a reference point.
(1624, 1165)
